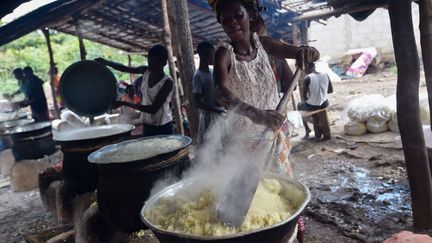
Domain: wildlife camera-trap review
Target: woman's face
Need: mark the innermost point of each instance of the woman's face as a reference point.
(235, 21)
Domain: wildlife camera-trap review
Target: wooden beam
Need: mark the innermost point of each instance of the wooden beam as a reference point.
(130, 65)
(168, 43)
(78, 33)
(187, 59)
(47, 15)
(408, 112)
(45, 31)
(339, 11)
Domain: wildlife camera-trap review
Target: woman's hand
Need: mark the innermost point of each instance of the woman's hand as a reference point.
(269, 118)
(305, 55)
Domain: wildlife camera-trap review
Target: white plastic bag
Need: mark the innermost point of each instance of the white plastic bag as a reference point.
(355, 128)
(362, 108)
(393, 126)
(376, 125)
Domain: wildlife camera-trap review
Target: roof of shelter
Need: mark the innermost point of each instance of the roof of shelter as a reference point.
(7, 6)
(136, 25)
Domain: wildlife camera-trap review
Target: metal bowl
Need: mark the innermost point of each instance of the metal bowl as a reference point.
(280, 232)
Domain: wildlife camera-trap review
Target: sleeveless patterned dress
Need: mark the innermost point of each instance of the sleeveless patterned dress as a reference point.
(254, 83)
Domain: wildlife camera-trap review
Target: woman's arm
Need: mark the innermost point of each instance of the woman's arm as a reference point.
(226, 98)
(303, 54)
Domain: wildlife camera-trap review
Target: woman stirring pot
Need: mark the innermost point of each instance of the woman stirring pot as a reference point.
(245, 80)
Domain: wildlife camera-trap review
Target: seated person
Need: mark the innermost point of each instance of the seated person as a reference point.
(316, 87)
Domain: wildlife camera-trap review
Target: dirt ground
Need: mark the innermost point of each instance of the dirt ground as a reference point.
(360, 191)
(359, 186)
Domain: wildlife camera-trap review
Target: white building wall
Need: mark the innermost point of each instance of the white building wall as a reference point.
(344, 33)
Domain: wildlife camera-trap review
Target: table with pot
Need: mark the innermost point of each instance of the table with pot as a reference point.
(26, 146)
(123, 175)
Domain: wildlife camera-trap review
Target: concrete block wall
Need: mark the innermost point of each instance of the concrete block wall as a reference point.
(345, 33)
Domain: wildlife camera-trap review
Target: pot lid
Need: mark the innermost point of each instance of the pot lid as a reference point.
(28, 128)
(88, 88)
(91, 132)
(139, 149)
(12, 116)
(13, 123)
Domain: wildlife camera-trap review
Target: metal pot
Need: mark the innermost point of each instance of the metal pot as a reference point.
(123, 187)
(278, 233)
(29, 130)
(81, 176)
(31, 141)
(33, 147)
(7, 125)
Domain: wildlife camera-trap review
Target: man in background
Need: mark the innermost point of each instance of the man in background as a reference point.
(35, 96)
(316, 87)
(202, 88)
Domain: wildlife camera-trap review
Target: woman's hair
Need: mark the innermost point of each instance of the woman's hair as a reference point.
(250, 5)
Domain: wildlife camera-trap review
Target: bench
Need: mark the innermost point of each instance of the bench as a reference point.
(320, 117)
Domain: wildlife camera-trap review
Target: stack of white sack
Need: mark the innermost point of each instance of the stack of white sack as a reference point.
(68, 121)
(368, 113)
(424, 111)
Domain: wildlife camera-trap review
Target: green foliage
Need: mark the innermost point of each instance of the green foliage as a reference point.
(31, 50)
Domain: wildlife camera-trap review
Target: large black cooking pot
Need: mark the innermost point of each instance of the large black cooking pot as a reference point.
(31, 141)
(80, 176)
(29, 130)
(123, 186)
(278, 233)
(5, 140)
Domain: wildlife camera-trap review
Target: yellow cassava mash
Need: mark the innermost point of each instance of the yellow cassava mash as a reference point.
(197, 217)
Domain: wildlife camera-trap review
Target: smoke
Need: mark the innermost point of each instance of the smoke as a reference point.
(227, 151)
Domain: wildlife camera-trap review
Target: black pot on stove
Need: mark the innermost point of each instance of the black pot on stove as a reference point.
(127, 172)
(80, 176)
(32, 141)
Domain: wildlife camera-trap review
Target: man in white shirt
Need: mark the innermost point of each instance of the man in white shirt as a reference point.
(316, 87)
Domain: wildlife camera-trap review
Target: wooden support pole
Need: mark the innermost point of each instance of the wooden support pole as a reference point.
(168, 43)
(45, 31)
(300, 37)
(83, 52)
(185, 58)
(425, 7)
(130, 65)
(304, 37)
(409, 112)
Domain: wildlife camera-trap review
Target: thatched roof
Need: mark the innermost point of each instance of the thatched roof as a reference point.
(136, 25)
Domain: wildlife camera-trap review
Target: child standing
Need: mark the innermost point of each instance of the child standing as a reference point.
(203, 85)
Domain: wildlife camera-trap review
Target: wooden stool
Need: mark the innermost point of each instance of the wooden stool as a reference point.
(320, 121)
